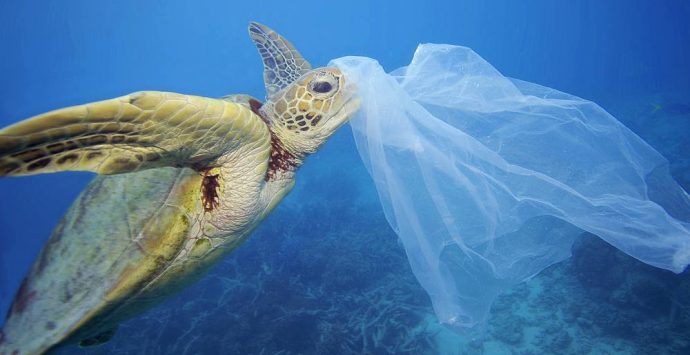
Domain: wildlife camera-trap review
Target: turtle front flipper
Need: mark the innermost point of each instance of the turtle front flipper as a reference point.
(139, 131)
(283, 64)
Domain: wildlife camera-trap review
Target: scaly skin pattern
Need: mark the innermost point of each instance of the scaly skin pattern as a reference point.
(131, 239)
(139, 131)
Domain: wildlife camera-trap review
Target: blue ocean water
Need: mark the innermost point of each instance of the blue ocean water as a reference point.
(325, 274)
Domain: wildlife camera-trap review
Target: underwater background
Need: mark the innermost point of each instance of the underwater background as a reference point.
(325, 273)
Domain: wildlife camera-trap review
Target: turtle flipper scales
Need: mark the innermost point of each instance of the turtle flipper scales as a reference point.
(283, 64)
(139, 131)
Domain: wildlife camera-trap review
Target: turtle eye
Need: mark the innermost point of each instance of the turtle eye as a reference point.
(322, 87)
(324, 84)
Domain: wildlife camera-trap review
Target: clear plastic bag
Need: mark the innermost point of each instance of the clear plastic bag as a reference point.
(488, 180)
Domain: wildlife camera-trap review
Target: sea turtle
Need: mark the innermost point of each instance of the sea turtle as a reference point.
(183, 181)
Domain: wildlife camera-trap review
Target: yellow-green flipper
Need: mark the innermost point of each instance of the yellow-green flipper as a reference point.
(143, 130)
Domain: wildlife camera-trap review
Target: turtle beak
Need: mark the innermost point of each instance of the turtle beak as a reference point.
(351, 103)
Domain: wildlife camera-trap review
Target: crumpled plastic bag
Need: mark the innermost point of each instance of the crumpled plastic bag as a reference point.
(488, 180)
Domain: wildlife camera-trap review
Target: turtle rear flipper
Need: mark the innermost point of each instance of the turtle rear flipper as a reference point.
(98, 339)
(134, 132)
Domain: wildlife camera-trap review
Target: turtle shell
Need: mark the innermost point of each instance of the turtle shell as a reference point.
(102, 261)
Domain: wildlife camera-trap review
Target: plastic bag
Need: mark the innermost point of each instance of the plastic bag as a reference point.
(488, 180)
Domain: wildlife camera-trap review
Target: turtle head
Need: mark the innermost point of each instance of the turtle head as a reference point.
(311, 109)
(304, 106)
